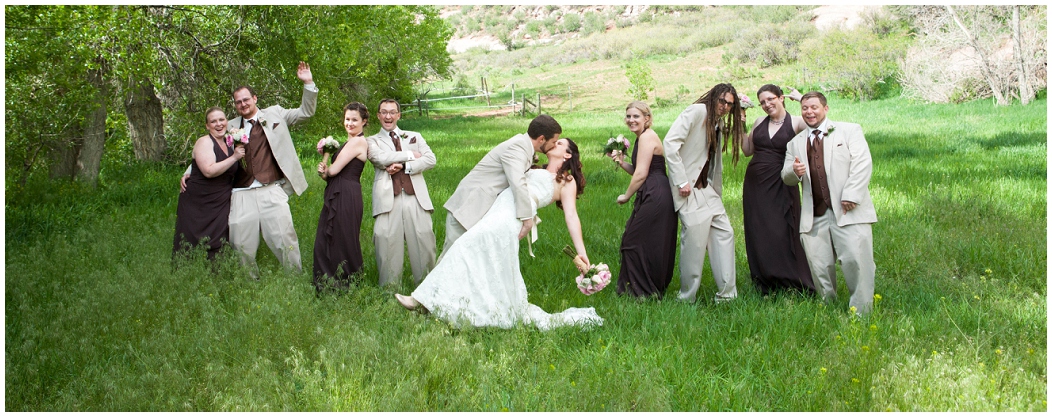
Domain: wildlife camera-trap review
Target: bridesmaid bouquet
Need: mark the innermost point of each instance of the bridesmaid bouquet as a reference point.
(237, 137)
(595, 279)
(326, 146)
(745, 102)
(616, 146)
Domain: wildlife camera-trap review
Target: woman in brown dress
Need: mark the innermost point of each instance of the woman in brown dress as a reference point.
(648, 246)
(771, 208)
(204, 208)
(337, 249)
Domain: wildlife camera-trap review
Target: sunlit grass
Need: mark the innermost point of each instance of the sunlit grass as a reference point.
(98, 319)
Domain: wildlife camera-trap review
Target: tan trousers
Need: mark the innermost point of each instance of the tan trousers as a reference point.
(705, 224)
(406, 225)
(453, 232)
(852, 245)
(266, 210)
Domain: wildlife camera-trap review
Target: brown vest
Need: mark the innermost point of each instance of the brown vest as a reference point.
(400, 179)
(819, 185)
(260, 163)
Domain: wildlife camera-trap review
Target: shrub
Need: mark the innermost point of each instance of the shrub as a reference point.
(768, 45)
(642, 82)
(571, 22)
(593, 23)
(858, 64)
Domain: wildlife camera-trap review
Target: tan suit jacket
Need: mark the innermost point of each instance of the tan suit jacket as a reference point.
(686, 151)
(503, 166)
(848, 167)
(278, 120)
(382, 153)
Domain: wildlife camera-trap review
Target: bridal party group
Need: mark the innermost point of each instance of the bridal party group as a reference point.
(805, 199)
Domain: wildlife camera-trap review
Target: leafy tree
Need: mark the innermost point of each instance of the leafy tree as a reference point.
(642, 82)
(163, 65)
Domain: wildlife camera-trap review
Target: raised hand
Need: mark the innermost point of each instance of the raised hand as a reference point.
(794, 95)
(798, 167)
(304, 74)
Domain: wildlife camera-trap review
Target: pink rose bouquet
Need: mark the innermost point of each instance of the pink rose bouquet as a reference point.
(593, 280)
(237, 137)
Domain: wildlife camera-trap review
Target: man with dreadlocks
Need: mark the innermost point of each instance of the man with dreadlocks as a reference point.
(694, 147)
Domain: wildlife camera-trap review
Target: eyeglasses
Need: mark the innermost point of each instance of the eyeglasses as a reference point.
(242, 101)
(722, 101)
(389, 113)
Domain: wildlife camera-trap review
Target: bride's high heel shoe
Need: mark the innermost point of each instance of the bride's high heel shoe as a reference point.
(408, 302)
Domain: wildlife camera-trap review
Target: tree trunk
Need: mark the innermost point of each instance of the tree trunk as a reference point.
(145, 122)
(63, 158)
(984, 62)
(1025, 93)
(90, 158)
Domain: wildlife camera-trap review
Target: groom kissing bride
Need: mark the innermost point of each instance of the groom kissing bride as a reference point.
(477, 281)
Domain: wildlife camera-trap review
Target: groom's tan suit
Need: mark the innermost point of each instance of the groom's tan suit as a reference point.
(705, 222)
(260, 199)
(403, 217)
(503, 166)
(833, 234)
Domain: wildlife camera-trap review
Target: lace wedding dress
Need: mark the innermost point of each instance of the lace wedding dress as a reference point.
(478, 283)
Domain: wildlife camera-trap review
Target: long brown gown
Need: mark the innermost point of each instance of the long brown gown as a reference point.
(337, 249)
(648, 246)
(204, 208)
(772, 216)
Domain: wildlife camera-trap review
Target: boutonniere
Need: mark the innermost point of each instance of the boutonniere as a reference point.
(261, 121)
(831, 129)
(405, 136)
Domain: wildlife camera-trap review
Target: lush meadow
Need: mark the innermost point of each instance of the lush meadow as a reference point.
(97, 318)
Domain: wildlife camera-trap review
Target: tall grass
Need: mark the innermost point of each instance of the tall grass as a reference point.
(97, 318)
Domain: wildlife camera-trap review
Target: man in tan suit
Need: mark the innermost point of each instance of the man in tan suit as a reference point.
(832, 160)
(504, 166)
(695, 164)
(401, 204)
(272, 172)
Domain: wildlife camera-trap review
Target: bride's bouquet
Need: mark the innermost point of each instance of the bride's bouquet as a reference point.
(326, 146)
(595, 279)
(745, 102)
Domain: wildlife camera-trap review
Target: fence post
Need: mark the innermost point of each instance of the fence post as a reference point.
(485, 89)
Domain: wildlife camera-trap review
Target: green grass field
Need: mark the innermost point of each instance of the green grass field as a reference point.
(97, 318)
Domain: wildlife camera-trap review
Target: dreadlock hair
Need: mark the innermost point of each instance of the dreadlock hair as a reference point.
(733, 128)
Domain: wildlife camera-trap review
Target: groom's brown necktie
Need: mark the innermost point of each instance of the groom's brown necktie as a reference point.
(400, 179)
(819, 184)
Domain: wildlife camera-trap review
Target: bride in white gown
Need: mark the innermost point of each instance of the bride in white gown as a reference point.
(479, 284)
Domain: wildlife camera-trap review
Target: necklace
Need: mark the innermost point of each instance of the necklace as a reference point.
(778, 123)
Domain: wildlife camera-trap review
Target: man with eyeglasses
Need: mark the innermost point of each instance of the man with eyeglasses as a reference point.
(271, 173)
(694, 148)
(401, 204)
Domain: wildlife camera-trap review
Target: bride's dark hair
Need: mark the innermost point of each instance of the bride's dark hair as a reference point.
(571, 168)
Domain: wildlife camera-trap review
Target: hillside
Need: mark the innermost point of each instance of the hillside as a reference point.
(576, 56)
